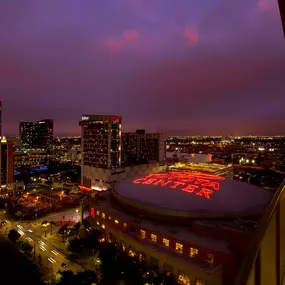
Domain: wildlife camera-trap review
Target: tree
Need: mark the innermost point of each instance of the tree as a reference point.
(65, 278)
(87, 278)
(74, 245)
(13, 235)
(26, 246)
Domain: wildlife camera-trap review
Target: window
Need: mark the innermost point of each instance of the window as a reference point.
(193, 252)
(98, 223)
(103, 226)
(154, 262)
(124, 225)
(103, 215)
(132, 253)
(143, 234)
(168, 268)
(109, 218)
(211, 258)
(200, 282)
(97, 213)
(116, 221)
(165, 242)
(153, 238)
(183, 278)
(179, 247)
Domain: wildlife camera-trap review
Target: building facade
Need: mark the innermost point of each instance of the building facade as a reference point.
(142, 147)
(183, 224)
(0, 118)
(36, 135)
(33, 159)
(101, 141)
(6, 163)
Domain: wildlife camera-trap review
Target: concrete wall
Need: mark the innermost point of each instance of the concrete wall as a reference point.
(268, 267)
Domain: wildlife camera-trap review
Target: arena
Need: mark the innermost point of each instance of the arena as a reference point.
(191, 195)
(194, 225)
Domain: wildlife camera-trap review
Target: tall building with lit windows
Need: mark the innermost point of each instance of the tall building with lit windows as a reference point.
(36, 135)
(6, 162)
(101, 145)
(0, 118)
(142, 147)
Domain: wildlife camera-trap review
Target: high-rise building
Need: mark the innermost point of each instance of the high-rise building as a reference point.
(6, 162)
(142, 147)
(101, 141)
(0, 118)
(36, 135)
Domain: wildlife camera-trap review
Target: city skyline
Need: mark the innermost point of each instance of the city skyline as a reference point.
(186, 67)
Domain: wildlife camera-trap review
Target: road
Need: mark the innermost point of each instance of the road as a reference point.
(33, 232)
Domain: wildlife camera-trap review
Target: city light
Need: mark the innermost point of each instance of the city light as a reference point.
(201, 184)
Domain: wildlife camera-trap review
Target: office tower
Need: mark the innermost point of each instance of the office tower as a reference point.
(142, 147)
(0, 118)
(101, 141)
(6, 162)
(36, 135)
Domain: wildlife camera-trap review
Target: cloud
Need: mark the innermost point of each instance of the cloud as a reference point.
(191, 35)
(130, 36)
(267, 5)
(115, 44)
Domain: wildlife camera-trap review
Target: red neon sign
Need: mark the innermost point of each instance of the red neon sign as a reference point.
(201, 184)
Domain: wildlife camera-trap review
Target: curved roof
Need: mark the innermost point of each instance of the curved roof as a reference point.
(191, 194)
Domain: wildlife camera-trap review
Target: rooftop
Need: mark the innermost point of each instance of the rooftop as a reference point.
(192, 195)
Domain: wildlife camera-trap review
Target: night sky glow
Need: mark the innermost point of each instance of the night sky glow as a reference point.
(193, 67)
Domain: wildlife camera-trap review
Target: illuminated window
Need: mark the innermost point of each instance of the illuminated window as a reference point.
(179, 247)
(165, 242)
(98, 223)
(103, 215)
(132, 253)
(124, 225)
(103, 226)
(109, 218)
(116, 221)
(183, 278)
(97, 213)
(211, 258)
(143, 234)
(200, 282)
(153, 238)
(193, 251)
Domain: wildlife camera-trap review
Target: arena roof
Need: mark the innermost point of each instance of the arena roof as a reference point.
(191, 194)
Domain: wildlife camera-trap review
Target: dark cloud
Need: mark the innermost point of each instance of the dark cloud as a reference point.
(179, 66)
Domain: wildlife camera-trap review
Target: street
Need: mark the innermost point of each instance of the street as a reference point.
(34, 233)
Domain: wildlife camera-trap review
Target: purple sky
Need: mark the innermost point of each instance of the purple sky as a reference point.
(193, 67)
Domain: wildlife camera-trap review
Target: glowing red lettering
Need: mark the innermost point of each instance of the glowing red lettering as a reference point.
(205, 193)
(200, 181)
(212, 184)
(138, 181)
(189, 188)
(186, 180)
(161, 182)
(176, 184)
(202, 184)
(149, 181)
